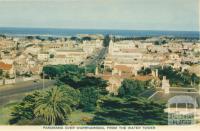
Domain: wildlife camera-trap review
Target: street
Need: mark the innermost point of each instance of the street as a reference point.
(98, 57)
(15, 92)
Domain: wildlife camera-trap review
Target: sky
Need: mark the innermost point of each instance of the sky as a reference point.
(180, 15)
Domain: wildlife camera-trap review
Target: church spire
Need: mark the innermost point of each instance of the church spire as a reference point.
(96, 71)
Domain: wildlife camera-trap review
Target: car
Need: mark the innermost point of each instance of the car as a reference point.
(36, 81)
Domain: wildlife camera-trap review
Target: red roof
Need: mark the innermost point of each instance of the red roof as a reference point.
(128, 50)
(60, 56)
(123, 68)
(4, 66)
(143, 78)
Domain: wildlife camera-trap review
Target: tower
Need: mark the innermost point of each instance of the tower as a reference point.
(111, 44)
(156, 73)
(96, 71)
(165, 85)
(199, 88)
(120, 73)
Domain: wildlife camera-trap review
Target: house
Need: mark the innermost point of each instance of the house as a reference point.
(43, 56)
(64, 56)
(7, 68)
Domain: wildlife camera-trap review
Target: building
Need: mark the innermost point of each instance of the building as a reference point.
(68, 57)
(165, 85)
(7, 68)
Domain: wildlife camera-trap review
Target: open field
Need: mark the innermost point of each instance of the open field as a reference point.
(76, 117)
(5, 113)
(80, 118)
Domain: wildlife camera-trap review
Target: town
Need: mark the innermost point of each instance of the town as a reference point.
(23, 59)
(167, 65)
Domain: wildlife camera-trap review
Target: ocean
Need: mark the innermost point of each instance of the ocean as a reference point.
(73, 32)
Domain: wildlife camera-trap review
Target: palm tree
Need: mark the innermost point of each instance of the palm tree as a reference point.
(53, 106)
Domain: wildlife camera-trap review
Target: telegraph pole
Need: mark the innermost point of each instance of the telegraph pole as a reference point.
(43, 80)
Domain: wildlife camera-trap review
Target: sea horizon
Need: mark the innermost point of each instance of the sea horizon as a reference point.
(63, 32)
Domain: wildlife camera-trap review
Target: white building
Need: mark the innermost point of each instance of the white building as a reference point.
(43, 57)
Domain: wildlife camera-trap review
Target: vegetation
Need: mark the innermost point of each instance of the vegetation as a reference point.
(52, 71)
(75, 38)
(50, 106)
(131, 111)
(3, 36)
(144, 71)
(1, 72)
(129, 38)
(78, 92)
(5, 111)
(91, 89)
(51, 55)
(90, 68)
(24, 110)
(178, 77)
(86, 38)
(106, 41)
(160, 42)
(78, 117)
(39, 38)
(132, 88)
(53, 107)
(52, 38)
(89, 97)
(29, 37)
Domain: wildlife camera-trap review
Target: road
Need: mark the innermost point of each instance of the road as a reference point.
(97, 58)
(16, 92)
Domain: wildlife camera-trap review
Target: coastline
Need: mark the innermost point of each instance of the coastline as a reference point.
(58, 32)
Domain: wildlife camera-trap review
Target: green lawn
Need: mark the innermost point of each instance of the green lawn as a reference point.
(76, 117)
(79, 118)
(5, 112)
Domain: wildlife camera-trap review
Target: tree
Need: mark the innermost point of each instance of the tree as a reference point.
(90, 69)
(157, 43)
(98, 83)
(39, 38)
(52, 71)
(50, 106)
(74, 38)
(178, 78)
(195, 79)
(51, 38)
(131, 111)
(132, 88)
(86, 38)
(89, 97)
(72, 94)
(53, 107)
(7, 75)
(60, 70)
(106, 41)
(24, 110)
(3, 36)
(29, 37)
(163, 42)
(91, 89)
(76, 78)
(17, 46)
(145, 71)
(1, 72)
(51, 55)
(160, 42)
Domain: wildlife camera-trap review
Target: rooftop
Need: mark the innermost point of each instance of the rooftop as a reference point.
(4, 66)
